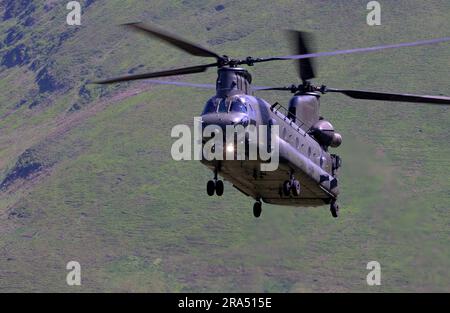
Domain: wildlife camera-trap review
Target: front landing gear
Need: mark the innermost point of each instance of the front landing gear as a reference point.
(257, 209)
(215, 186)
(334, 208)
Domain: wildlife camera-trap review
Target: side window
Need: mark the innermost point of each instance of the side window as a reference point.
(322, 161)
(292, 113)
(252, 114)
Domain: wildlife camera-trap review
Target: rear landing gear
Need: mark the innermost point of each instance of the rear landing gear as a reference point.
(291, 186)
(334, 208)
(295, 188)
(257, 209)
(287, 188)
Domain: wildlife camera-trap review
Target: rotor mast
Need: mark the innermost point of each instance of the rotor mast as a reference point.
(233, 80)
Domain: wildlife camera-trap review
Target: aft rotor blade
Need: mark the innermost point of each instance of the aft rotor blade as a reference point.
(262, 88)
(174, 40)
(371, 95)
(303, 43)
(358, 50)
(179, 71)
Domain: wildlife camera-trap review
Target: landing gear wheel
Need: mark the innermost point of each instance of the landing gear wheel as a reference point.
(334, 208)
(295, 188)
(219, 188)
(210, 187)
(257, 209)
(287, 188)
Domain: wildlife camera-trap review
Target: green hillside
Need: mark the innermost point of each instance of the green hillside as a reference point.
(86, 172)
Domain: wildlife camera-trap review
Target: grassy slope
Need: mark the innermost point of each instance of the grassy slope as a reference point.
(138, 221)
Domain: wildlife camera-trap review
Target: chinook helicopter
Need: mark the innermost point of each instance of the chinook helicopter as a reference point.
(307, 174)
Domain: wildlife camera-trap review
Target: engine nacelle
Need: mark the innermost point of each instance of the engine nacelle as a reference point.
(323, 132)
(337, 140)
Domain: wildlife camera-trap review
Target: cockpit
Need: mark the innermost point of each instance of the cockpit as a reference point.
(229, 111)
(225, 105)
(238, 106)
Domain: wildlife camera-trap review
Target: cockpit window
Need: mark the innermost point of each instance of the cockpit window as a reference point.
(223, 106)
(238, 106)
(210, 107)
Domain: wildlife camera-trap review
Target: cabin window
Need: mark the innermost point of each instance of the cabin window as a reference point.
(292, 113)
(322, 161)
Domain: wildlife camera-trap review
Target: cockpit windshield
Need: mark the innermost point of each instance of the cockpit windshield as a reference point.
(210, 107)
(223, 105)
(238, 106)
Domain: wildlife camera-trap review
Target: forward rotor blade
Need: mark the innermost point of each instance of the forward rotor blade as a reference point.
(179, 71)
(181, 84)
(358, 50)
(303, 43)
(382, 96)
(205, 86)
(174, 40)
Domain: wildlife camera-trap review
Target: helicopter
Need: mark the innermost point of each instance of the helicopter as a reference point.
(307, 174)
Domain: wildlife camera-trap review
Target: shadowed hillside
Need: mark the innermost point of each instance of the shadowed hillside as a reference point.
(86, 172)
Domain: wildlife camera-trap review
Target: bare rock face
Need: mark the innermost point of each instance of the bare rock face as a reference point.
(18, 8)
(26, 165)
(47, 82)
(13, 35)
(18, 213)
(16, 57)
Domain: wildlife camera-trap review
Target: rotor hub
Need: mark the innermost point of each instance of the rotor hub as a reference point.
(227, 61)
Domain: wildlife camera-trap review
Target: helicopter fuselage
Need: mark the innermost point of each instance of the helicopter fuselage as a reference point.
(300, 155)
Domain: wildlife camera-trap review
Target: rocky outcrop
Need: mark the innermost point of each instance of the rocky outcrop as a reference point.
(18, 8)
(47, 82)
(17, 56)
(13, 35)
(26, 165)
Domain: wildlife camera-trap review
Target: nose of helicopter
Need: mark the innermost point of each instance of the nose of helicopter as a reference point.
(222, 120)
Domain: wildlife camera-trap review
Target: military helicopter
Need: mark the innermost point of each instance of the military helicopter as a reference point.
(307, 174)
